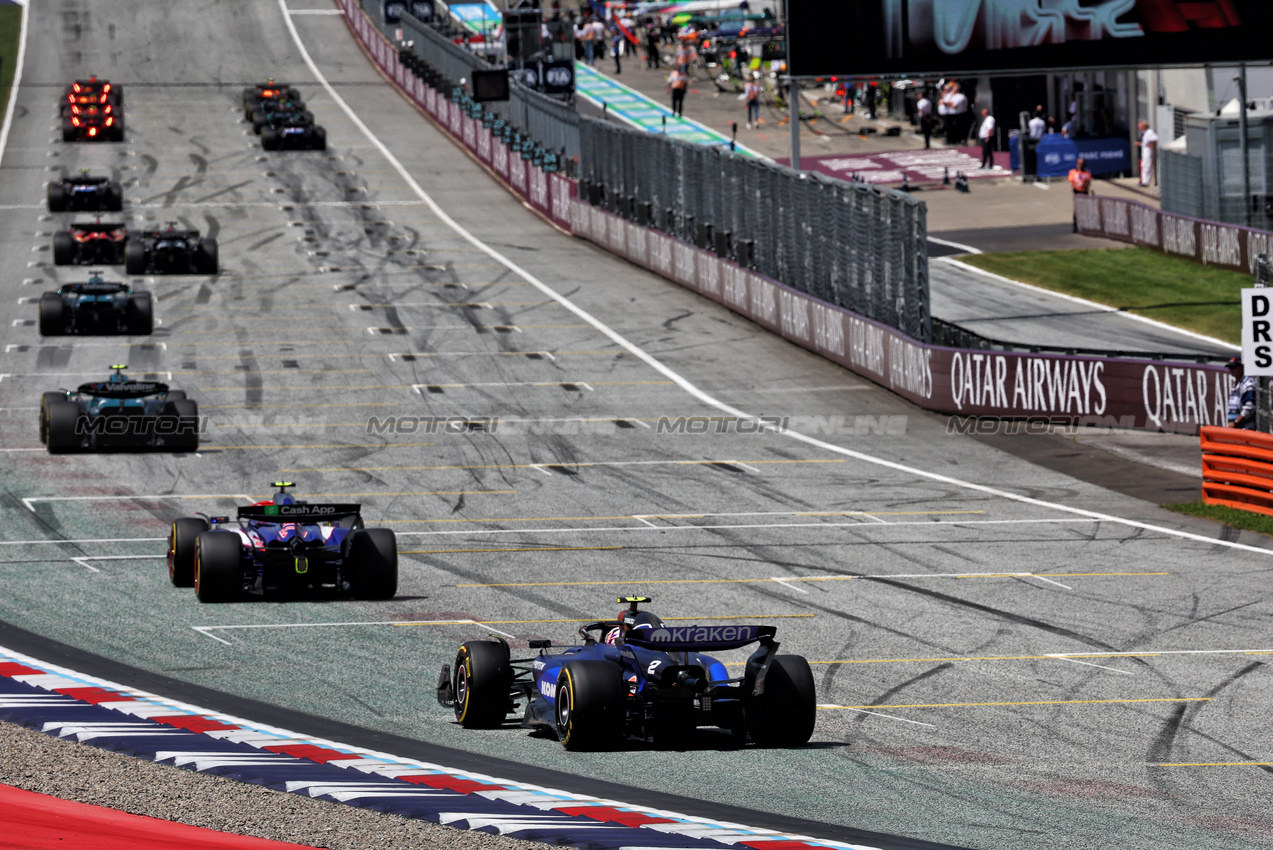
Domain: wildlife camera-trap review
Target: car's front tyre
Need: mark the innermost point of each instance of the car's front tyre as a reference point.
(482, 684)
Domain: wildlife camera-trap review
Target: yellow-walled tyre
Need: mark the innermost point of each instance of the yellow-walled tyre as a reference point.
(483, 684)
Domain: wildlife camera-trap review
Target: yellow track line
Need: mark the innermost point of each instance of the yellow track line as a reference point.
(526, 549)
(665, 619)
(997, 704)
(688, 516)
(533, 465)
(792, 579)
(332, 445)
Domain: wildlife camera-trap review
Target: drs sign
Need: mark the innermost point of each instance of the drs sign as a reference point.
(1257, 331)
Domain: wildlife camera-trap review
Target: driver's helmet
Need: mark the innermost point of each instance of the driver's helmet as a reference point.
(642, 620)
(613, 635)
(284, 499)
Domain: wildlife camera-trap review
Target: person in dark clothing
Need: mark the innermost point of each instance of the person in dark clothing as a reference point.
(652, 47)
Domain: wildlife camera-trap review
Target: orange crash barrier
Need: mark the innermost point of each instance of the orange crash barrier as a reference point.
(1237, 469)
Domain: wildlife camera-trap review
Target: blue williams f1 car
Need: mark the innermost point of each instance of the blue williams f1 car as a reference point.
(643, 681)
(119, 413)
(283, 546)
(85, 192)
(96, 307)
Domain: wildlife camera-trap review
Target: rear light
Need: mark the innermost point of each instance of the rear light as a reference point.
(106, 87)
(92, 131)
(108, 110)
(110, 121)
(75, 121)
(267, 93)
(76, 87)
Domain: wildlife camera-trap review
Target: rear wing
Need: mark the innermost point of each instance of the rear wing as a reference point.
(700, 638)
(300, 513)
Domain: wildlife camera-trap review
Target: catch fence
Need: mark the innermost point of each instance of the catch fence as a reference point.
(850, 244)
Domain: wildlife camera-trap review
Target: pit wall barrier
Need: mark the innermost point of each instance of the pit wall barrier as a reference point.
(1074, 390)
(1210, 243)
(1237, 469)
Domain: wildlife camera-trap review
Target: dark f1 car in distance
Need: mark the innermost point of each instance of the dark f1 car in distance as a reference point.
(96, 307)
(170, 251)
(278, 112)
(91, 92)
(283, 545)
(643, 682)
(121, 414)
(84, 192)
(293, 130)
(255, 97)
(96, 243)
(93, 123)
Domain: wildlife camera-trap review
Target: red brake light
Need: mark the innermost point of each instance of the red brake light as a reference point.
(76, 87)
(106, 87)
(110, 121)
(267, 93)
(75, 121)
(92, 131)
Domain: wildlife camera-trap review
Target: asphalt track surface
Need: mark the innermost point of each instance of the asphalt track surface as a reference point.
(1027, 660)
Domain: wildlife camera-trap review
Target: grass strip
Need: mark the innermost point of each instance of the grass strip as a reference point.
(1202, 299)
(1245, 520)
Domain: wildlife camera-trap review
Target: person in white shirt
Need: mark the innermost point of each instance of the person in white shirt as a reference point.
(1037, 126)
(924, 109)
(987, 136)
(1148, 145)
(960, 116)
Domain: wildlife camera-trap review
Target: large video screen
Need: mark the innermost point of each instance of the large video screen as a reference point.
(908, 37)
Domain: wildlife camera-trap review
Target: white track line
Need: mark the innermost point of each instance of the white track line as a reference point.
(1103, 308)
(122, 498)
(968, 249)
(857, 526)
(693, 390)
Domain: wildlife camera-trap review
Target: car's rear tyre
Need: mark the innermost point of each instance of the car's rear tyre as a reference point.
(591, 705)
(483, 684)
(258, 121)
(318, 139)
(57, 197)
(205, 256)
(269, 138)
(218, 571)
(114, 196)
(181, 543)
(134, 258)
(63, 249)
(139, 314)
(175, 395)
(46, 400)
(63, 418)
(69, 131)
(371, 563)
(115, 132)
(52, 315)
(179, 424)
(784, 715)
